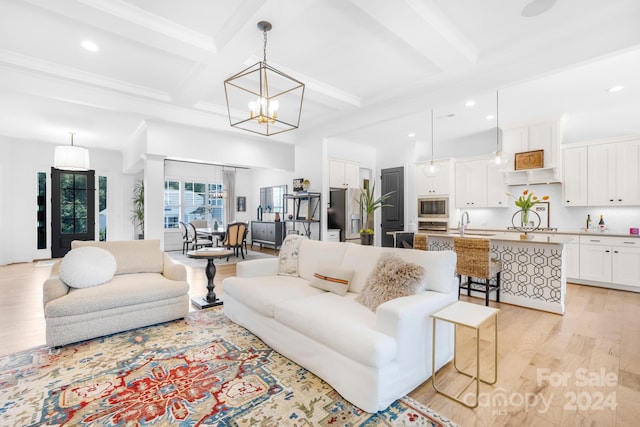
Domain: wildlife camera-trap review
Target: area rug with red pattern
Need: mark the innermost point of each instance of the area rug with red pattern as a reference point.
(200, 371)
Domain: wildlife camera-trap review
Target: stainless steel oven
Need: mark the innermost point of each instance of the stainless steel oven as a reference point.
(424, 225)
(433, 208)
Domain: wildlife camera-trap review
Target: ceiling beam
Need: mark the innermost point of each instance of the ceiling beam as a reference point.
(439, 40)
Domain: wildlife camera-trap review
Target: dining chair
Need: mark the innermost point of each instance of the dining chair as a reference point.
(201, 223)
(198, 241)
(474, 261)
(244, 237)
(186, 238)
(404, 240)
(235, 237)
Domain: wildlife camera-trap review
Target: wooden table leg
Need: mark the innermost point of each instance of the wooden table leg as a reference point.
(210, 300)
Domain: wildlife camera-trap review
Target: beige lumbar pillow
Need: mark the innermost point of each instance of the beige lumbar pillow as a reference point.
(332, 279)
(391, 278)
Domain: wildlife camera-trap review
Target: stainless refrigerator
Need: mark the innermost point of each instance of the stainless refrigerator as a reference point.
(344, 212)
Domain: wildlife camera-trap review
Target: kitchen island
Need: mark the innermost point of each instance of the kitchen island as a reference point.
(533, 270)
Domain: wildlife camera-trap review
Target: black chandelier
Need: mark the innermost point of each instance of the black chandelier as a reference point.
(263, 100)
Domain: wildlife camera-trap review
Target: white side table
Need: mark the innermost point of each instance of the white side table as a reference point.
(473, 316)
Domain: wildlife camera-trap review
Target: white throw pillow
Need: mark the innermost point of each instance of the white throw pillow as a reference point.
(289, 251)
(87, 266)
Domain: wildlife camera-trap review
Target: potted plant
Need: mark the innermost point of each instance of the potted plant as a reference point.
(137, 213)
(368, 206)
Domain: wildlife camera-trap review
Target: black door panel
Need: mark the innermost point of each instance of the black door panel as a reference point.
(72, 209)
(392, 216)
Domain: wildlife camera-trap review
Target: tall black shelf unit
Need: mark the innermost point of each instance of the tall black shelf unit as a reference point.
(306, 211)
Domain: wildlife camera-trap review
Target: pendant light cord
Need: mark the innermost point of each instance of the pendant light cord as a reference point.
(432, 140)
(497, 124)
(264, 52)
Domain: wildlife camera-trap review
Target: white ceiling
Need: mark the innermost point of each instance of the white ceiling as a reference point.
(373, 69)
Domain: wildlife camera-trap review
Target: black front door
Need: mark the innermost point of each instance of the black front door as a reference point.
(72, 209)
(393, 215)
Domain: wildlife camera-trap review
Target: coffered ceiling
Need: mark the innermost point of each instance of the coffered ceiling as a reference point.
(372, 69)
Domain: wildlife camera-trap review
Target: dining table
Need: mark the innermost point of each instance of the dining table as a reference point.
(214, 234)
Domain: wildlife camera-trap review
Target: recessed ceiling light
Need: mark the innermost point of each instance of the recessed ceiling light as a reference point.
(411, 135)
(615, 88)
(490, 117)
(470, 103)
(90, 46)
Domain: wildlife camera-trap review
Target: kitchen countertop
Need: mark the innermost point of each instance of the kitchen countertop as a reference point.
(502, 236)
(576, 232)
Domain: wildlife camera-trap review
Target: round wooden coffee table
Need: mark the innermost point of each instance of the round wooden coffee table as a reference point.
(210, 300)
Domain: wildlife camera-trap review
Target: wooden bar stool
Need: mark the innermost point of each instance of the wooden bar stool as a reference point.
(474, 262)
(421, 242)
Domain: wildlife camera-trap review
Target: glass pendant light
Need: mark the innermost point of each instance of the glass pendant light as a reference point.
(499, 159)
(432, 169)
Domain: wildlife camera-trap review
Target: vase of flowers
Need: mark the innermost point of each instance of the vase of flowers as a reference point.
(526, 202)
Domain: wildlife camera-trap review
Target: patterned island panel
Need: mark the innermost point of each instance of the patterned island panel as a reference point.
(533, 273)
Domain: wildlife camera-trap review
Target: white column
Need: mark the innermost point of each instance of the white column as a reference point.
(154, 198)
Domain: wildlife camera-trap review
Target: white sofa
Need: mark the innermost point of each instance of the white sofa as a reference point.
(370, 358)
(148, 288)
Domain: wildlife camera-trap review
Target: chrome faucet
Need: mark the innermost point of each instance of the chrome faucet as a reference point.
(463, 224)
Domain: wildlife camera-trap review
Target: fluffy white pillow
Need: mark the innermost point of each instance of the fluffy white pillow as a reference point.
(87, 266)
(391, 278)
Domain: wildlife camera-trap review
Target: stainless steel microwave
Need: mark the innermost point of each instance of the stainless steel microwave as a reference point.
(433, 207)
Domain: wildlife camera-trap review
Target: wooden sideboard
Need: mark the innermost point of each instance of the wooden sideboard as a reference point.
(267, 233)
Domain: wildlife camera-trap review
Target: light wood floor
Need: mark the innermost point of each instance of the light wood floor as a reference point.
(580, 369)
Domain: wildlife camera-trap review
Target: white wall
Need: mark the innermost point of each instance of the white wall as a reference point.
(245, 187)
(201, 145)
(22, 160)
(310, 163)
(20, 163)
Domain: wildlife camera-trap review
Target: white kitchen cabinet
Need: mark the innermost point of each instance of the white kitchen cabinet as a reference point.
(344, 174)
(439, 185)
(572, 260)
(601, 179)
(515, 140)
(614, 260)
(625, 265)
(541, 136)
(496, 189)
(613, 176)
(595, 260)
(333, 235)
(574, 182)
(628, 173)
(471, 184)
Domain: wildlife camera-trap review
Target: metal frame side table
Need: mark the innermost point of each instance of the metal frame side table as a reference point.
(473, 316)
(210, 300)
